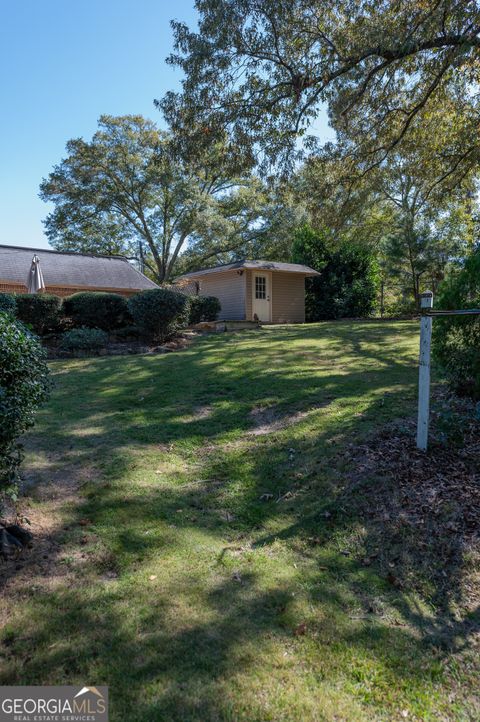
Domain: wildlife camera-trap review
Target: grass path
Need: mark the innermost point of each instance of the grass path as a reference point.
(189, 553)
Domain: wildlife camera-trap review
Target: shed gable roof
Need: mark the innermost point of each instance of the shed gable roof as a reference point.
(62, 268)
(256, 266)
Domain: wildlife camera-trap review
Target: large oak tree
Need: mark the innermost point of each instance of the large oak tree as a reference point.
(262, 69)
(133, 189)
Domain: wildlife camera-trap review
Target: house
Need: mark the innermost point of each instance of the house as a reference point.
(253, 290)
(65, 272)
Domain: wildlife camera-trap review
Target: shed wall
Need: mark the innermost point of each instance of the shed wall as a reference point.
(288, 297)
(229, 288)
(248, 295)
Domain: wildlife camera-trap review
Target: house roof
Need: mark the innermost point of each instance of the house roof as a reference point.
(65, 268)
(255, 266)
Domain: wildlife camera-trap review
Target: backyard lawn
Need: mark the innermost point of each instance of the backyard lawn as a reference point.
(200, 541)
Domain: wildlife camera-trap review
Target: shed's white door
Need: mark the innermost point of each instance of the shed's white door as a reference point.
(261, 291)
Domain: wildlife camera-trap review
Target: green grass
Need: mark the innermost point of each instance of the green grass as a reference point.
(169, 578)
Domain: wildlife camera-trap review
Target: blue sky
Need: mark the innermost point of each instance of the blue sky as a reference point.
(62, 64)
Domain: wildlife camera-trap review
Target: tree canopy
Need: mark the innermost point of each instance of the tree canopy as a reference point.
(348, 281)
(262, 69)
(132, 190)
(414, 206)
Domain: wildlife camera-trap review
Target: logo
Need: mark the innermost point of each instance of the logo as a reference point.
(54, 704)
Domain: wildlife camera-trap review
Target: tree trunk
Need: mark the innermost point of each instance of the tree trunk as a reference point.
(410, 240)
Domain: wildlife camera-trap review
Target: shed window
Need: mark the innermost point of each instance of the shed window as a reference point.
(260, 287)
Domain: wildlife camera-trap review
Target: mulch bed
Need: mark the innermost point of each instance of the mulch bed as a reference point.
(116, 348)
(422, 509)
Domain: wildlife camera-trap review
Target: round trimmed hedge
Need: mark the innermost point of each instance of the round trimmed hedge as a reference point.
(159, 312)
(96, 309)
(204, 308)
(24, 385)
(40, 311)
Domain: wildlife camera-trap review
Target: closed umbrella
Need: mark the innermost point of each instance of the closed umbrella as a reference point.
(35, 283)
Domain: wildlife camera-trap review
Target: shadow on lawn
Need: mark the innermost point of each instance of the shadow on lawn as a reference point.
(78, 633)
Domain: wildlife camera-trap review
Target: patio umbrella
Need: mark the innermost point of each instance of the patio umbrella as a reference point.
(35, 283)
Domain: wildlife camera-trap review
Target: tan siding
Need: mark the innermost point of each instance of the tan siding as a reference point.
(229, 288)
(288, 297)
(235, 295)
(248, 295)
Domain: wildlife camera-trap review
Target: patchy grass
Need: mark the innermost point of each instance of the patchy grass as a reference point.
(194, 551)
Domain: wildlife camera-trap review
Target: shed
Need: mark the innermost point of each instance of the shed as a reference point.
(66, 272)
(269, 291)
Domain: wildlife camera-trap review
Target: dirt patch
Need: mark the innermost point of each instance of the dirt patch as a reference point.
(198, 414)
(48, 511)
(177, 344)
(38, 566)
(268, 419)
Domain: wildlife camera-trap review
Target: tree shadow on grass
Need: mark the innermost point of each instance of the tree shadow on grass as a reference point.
(179, 651)
(173, 669)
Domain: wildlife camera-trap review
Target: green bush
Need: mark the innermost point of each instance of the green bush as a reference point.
(128, 333)
(403, 306)
(24, 384)
(40, 311)
(97, 310)
(456, 339)
(7, 303)
(159, 312)
(204, 308)
(83, 339)
(347, 286)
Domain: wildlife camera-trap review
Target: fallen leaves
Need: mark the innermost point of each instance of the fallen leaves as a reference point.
(422, 510)
(300, 630)
(394, 580)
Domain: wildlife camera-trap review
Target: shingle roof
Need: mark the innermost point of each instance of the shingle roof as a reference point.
(256, 266)
(62, 268)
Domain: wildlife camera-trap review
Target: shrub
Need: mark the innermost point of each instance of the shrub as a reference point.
(456, 339)
(160, 311)
(128, 333)
(204, 308)
(24, 384)
(401, 306)
(40, 311)
(347, 286)
(7, 303)
(97, 310)
(84, 339)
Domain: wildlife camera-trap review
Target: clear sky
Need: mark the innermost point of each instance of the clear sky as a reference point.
(62, 64)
